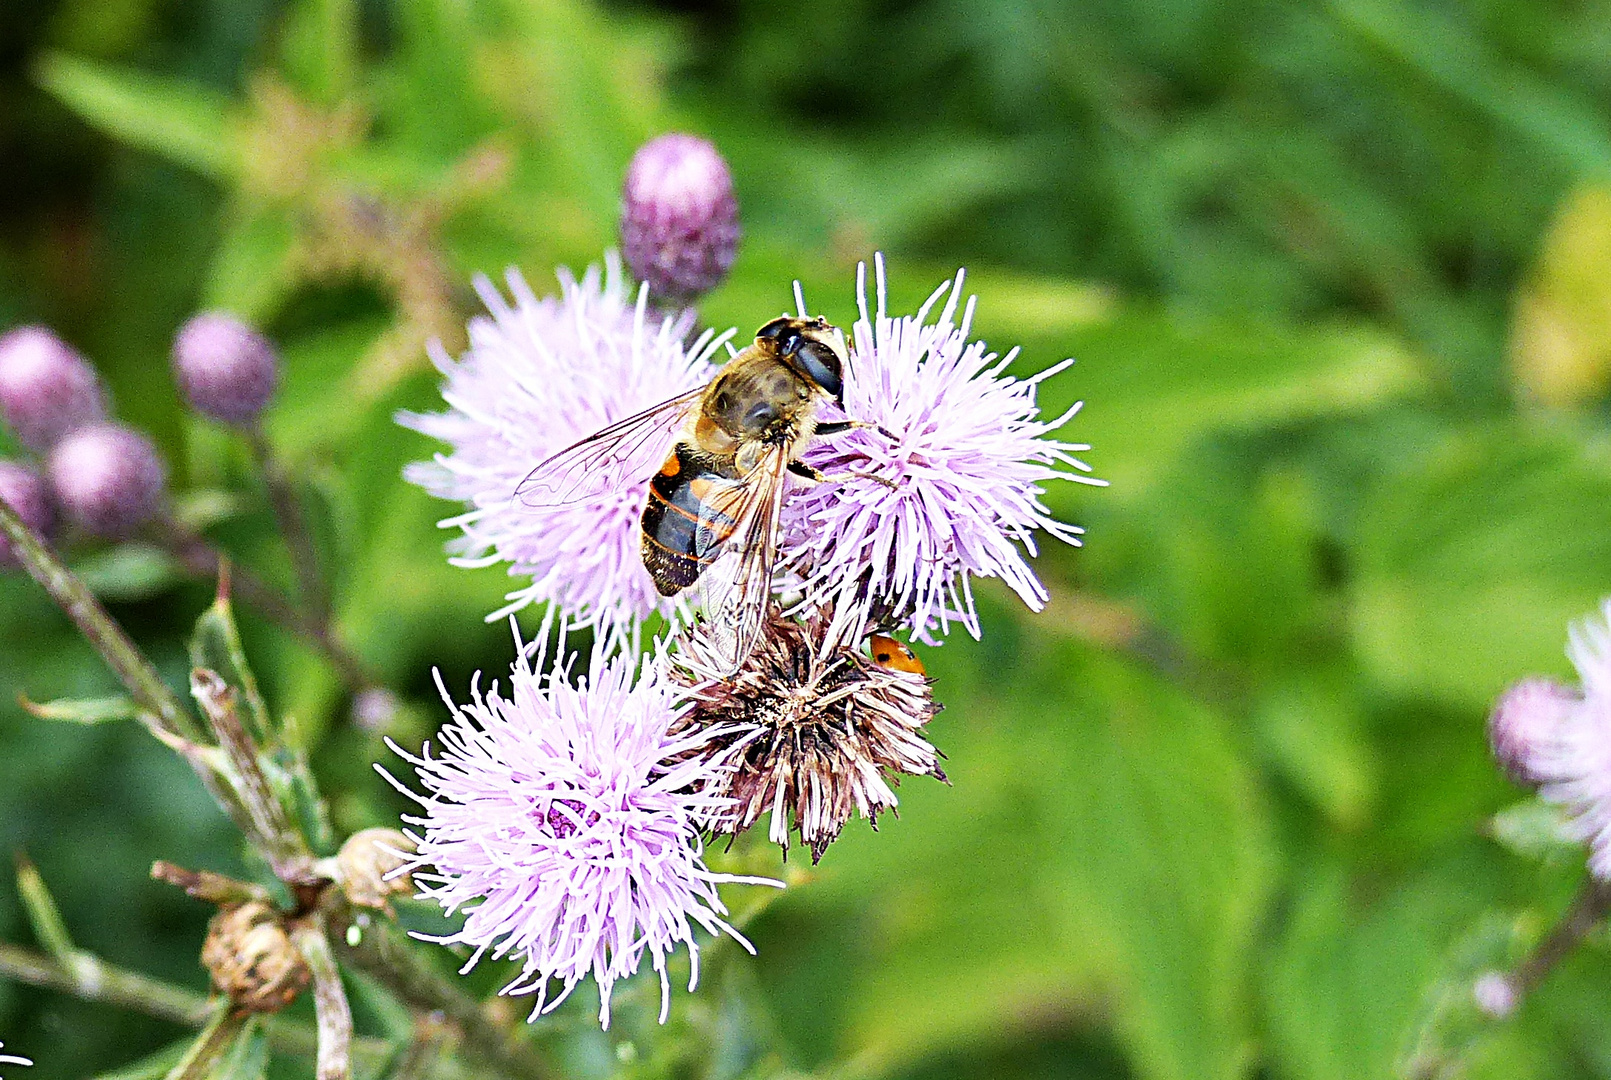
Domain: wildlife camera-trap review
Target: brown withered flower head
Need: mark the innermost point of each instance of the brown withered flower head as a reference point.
(252, 959)
(826, 730)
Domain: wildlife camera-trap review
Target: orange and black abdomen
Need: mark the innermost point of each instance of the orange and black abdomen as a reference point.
(681, 530)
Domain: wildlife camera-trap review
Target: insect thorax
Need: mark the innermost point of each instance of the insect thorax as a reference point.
(758, 400)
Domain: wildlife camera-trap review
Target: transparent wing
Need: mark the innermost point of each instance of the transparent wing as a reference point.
(737, 586)
(619, 456)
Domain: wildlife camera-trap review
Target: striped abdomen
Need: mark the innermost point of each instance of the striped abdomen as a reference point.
(682, 529)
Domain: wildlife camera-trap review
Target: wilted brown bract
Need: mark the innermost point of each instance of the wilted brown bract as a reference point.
(828, 729)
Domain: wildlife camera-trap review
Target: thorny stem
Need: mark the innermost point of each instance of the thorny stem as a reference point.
(272, 832)
(203, 560)
(293, 525)
(164, 711)
(372, 945)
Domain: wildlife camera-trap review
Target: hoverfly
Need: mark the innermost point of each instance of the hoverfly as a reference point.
(714, 503)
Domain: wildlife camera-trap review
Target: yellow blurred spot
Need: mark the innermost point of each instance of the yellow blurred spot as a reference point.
(1560, 343)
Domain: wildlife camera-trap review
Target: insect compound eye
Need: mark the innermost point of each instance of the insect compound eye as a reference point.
(774, 330)
(820, 364)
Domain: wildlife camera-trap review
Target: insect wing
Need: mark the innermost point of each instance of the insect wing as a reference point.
(607, 461)
(737, 586)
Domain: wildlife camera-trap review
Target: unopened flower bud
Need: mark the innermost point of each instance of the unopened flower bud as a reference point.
(1495, 995)
(365, 863)
(679, 217)
(46, 389)
(1526, 720)
(24, 491)
(108, 479)
(252, 959)
(227, 370)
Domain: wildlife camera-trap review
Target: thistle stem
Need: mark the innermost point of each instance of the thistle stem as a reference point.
(203, 560)
(162, 706)
(372, 945)
(93, 979)
(207, 1053)
(293, 525)
(1591, 905)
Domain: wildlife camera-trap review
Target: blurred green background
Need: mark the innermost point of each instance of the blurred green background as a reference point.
(1336, 278)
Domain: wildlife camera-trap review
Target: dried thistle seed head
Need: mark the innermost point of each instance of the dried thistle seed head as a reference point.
(252, 959)
(825, 731)
(366, 863)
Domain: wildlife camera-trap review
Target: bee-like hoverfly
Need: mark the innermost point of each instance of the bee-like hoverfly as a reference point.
(714, 504)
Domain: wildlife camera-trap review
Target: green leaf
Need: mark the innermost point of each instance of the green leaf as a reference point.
(43, 914)
(129, 572)
(252, 269)
(179, 120)
(84, 710)
(1105, 848)
(1535, 829)
(152, 1067)
(216, 646)
(1474, 559)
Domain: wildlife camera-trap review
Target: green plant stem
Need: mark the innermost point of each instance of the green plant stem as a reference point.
(1591, 905)
(161, 706)
(201, 559)
(93, 979)
(333, 1013)
(212, 1045)
(372, 944)
(293, 525)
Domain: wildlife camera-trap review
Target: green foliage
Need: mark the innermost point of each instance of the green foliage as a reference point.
(1224, 809)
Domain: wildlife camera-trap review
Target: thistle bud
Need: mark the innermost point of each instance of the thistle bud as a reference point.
(24, 491)
(46, 389)
(365, 863)
(226, 369)
(1525, 721)
(252, 959)
(679, 217)
(108, 479)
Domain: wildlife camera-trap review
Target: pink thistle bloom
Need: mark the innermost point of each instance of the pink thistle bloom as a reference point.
(565, 821)
(540, 375)
(963, 475)
(1560, 739)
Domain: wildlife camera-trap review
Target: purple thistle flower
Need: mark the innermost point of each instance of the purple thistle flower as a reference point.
(962, 477)
(108, 479)
(25, 492)
(565, 821)
(46, 388)
(227, 370)
(540, 375)
(1547, 734)
(679, 218)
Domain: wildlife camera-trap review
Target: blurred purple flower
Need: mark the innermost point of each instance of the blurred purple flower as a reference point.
(108, 479)
(967, 464)
(1547, 734)
(540, 375)
(227, 370)
(557, 819)
(24, 491)
(46, 388)
(679, 217)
